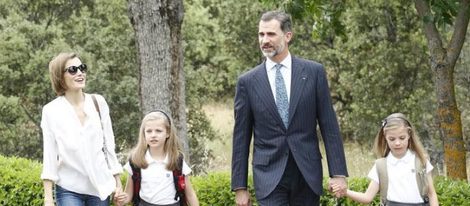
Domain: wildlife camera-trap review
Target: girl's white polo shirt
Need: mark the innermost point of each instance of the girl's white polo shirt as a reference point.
(402, 185)
(157, 185)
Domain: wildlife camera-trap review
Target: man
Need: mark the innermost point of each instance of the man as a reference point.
(280, 102)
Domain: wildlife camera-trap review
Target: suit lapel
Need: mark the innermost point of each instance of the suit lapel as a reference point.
(299, 78)
(263, 89)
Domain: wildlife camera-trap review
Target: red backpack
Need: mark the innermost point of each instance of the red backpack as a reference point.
(178, 180)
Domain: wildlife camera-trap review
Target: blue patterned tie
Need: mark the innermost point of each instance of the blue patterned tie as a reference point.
(281, 96)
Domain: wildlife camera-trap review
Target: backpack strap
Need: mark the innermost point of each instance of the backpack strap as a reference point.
(179, 181)
(136, 179)
(381, 166)
(421, 179)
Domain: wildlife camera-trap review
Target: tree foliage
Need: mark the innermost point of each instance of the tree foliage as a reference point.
(35, 31)
(374, 52)
(219, 45)
(444, 53)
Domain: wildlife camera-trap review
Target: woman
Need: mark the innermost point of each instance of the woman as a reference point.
(79, 157)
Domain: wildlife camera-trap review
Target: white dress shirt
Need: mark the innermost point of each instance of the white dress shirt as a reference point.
(157, 186)
(286, 72)
(73, 156)
(402, 185)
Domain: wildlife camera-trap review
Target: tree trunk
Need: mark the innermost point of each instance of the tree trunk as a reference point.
(157, 26)
(443, 63)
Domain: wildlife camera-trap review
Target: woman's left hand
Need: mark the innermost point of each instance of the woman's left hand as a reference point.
(120, 197)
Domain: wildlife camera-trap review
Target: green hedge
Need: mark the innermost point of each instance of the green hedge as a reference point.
(20, 185)
(19, 182)
(214, 189)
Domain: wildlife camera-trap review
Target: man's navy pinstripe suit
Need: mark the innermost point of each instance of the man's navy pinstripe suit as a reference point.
(256, 115)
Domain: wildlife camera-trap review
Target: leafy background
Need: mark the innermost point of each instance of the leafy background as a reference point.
(377, 66)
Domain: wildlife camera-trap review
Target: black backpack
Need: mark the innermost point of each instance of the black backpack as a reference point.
(178, 180)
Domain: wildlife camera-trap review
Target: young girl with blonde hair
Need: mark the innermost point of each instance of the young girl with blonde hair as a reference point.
(157, 153)
(399, 148)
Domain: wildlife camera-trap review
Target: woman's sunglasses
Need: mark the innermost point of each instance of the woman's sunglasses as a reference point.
(73, 69)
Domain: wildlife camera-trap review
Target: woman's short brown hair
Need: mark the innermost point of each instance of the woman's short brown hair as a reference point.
(57, 70)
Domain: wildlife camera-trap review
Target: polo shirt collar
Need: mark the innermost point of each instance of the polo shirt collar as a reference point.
(409, 156)
(149, 159)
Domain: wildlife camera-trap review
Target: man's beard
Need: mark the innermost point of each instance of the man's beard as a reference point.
(270, 54)
(275, 52)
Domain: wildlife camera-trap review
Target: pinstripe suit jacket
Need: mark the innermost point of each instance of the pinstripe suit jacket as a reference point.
(256, 116)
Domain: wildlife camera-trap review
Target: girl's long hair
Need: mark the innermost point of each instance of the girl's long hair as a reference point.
(395, 121)
(172, 145)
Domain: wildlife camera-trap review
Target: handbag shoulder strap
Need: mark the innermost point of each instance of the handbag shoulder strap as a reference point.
(97, 107)
(105, 151)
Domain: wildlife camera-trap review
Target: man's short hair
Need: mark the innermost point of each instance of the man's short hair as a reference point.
(281, 16)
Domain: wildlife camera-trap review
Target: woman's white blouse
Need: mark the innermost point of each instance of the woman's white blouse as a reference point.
(73, 156)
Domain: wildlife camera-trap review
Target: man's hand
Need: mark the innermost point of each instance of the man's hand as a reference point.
(339, 186)
(242, 197)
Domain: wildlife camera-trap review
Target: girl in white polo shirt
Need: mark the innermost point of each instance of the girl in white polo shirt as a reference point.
(398, 142)
(157, 154)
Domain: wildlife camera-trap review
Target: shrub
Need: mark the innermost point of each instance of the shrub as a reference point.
(19, 136)
(452, 192)
(20, 184)
(214, 189)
